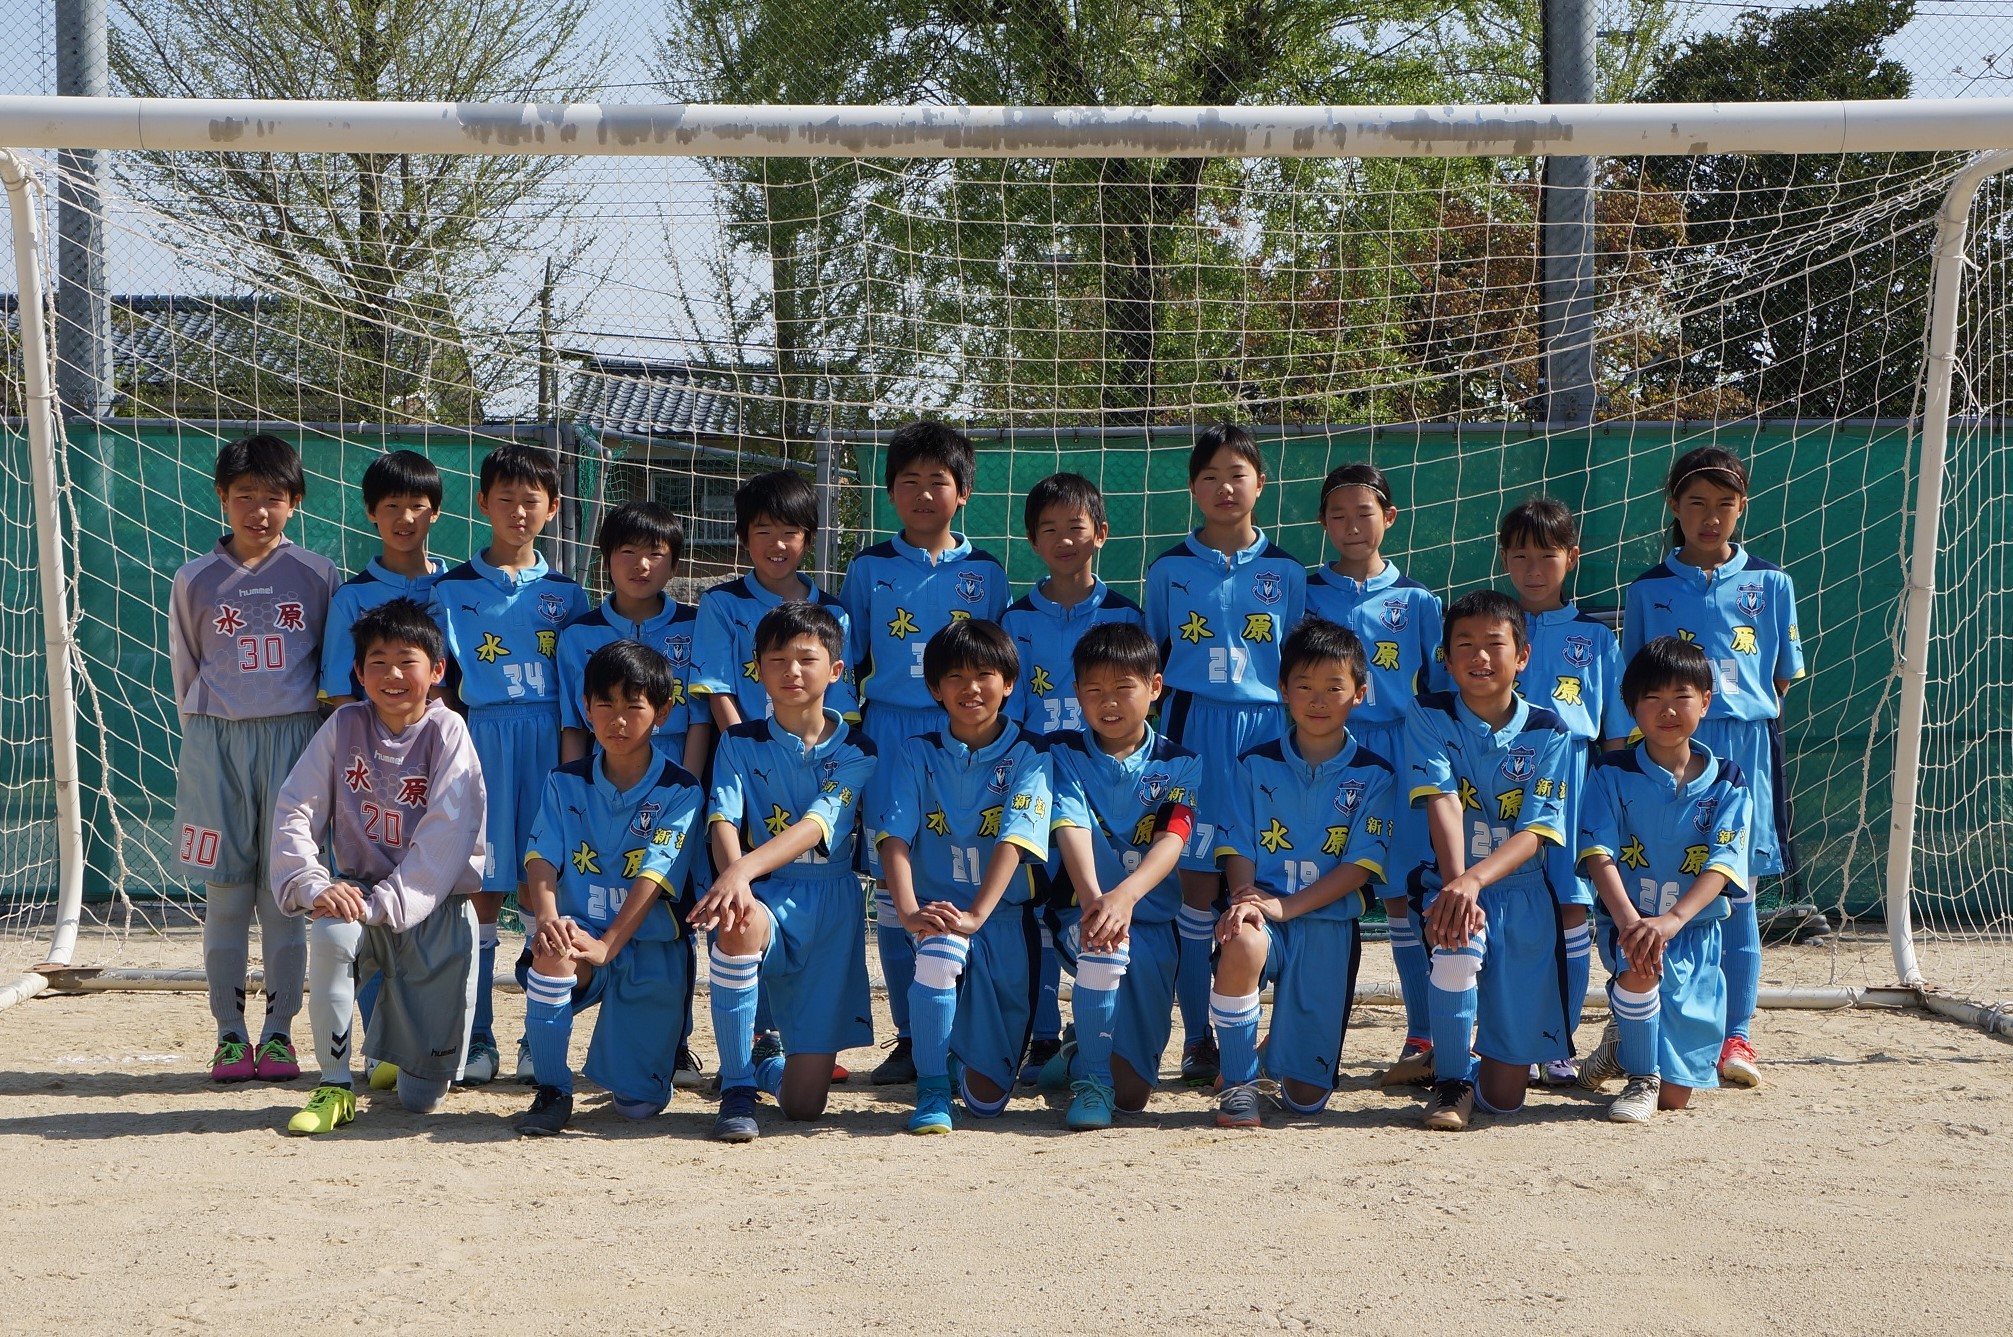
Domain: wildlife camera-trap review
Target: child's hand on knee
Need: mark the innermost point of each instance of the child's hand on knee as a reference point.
(341, 900)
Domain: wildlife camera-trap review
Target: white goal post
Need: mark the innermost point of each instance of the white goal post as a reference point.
(1980, 126)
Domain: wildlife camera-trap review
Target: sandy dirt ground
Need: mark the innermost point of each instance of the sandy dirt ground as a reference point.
(1864, 1188)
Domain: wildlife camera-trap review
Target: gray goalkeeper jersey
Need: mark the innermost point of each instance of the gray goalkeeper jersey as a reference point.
(245, 642)
(403, 813)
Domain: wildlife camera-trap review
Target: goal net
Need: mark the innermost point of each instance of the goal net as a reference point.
(671, 326)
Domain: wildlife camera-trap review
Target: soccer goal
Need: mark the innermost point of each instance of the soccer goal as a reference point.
(677, 297)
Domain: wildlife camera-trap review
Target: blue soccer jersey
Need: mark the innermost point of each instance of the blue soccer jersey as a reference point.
(952, 805)
(1046, 634)
(1742, 614)
(502, 630)
(1576, 673)
(1126, 803)
(1511, 779)
(601, 839)
(669, 634)
(896, 599)
(1219, 620)
(1663, 835)
(723, 648)
(1398, 621)
(765, 781)
(1297, 822)
(353, 598)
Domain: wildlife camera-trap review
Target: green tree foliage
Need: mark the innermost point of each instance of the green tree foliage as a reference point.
(1129, 290)
(389, 261)
(1823, 259)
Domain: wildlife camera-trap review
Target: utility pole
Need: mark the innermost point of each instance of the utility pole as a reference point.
(1566, 313)
(83, 309)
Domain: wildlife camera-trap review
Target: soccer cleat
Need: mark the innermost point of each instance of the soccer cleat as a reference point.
(1560, 1072)
(1200, 1063)
(483, 1061)
(768, 1044)
(933, 1106)
(384, 1077)
(1453, 1104)
(1736, 1063)
(736, 1120)
(1413, 1068)
(527, 1071)
(276, 1060)
(840, 1076)
(551, 1110)
(1038, 1055)
(1638, 1101)
(688, 1074)
(1237, 1106)
(898, 1067)
(233, 1061)
(1054, 1075)
(1090, 1107)
(1604, 1064)
(329, 1108)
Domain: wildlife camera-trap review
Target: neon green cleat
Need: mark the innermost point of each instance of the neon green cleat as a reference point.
(329, 1108)
(384, 1077)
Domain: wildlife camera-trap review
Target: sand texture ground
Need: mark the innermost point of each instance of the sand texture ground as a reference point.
(1864, 1189)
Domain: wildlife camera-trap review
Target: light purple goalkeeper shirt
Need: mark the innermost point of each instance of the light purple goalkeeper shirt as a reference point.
(245, 642)
(403, 815)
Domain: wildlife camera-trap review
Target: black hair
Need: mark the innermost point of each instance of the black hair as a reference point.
(1122, 647)
(401, 473)
(1355, 475)
(1541, 522)
(787, 621)
(972, 644)
(266, 458)
(1488, 606)
(641, 523)
(519, 463)
(927, 441)
(1223, 437)
(1073, 491)
(622, 669)
(1665, 662)
(400, 622)
(783, 496)
(1317, 640)
(1712, 465)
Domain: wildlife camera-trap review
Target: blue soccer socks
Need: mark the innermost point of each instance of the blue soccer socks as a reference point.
(734, 985)
(548, 1027)
(1236, 1023)
(1196, 930)
(1637, 1017)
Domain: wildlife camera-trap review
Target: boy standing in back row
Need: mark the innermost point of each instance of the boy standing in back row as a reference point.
(244, 644)
(501, 612)
(898, 595)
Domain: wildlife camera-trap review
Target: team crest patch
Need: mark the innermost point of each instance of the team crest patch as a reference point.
(1395, 617)
(678, 649)
(552, 608)
(1703, 812)
(971, 586)
(645, 820)
(1153, 788)
(1750, 601)
(1579, 651)
(1265, 587)
(1348, 795)
(1519, 764)
(1002, 776)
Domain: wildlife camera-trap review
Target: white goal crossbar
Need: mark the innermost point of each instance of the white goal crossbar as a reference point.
(1983, 125)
